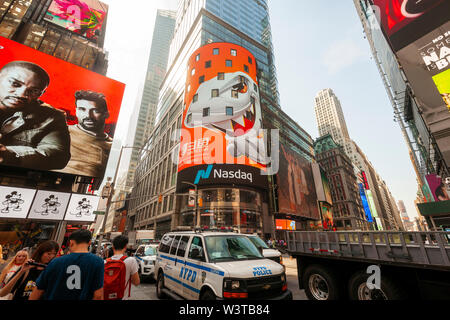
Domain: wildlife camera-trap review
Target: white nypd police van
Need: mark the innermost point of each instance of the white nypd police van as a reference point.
(216, 266)
(145, 257)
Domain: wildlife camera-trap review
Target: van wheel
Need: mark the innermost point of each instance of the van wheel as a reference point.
(208, 295)
(321, 283)
(160, 286)
(390, 290)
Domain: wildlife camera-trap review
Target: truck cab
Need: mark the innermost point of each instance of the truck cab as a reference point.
(216, 266)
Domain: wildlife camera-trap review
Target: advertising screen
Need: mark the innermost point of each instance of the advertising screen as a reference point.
(365, 203)
(48, 205)
(438, 188)
(15, 202)
(296, 188)
(404, 21)
(327, 216)
(221, 138)
(81, 208)
(282, 224)
(426, 63)
(55, 116)
(83, 17)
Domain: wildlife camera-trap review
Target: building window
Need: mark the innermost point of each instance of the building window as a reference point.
(233, 52)
(195, 99)
(201, 79)
(221, 76)
(197, 58)
(193, 72)
(250, 60)
(234, 94)
(206, 112)
(214, 93)
(216, 51)
(189, 118)
(208, 64)
(246, 69)
(189, 88)
(255, 87)
(229, 63)
(229, 111)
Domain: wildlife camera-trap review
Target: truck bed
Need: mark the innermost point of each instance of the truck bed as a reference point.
(415, 249)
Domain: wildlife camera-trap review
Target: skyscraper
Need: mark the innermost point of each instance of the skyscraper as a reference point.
(244, 23)
(156, 71)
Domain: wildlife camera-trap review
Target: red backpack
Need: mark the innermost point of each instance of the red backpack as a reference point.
(114, 281)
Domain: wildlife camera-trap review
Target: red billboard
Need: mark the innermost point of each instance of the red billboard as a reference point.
(84, 17)
(55, 115)
(222, 139)
(405, 21)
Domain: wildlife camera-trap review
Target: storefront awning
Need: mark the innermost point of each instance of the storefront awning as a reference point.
(441, 208)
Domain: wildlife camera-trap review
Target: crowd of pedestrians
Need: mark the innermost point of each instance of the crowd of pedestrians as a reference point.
(70, 273)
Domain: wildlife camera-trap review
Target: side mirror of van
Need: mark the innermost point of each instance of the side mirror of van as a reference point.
(261, 250)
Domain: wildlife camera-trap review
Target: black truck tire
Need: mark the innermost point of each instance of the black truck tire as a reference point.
(208, 295)
(390, 289)
(160, 285)
(321, 283)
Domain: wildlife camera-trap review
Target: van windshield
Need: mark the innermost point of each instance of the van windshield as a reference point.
(150, 251)
(231, 248)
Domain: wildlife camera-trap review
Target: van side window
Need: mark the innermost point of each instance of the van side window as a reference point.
(197, 246)
(166, 241)
(173, 249)
(182, 247)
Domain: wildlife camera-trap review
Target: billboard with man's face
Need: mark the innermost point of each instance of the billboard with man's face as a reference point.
(222, 139)
(84, 17)
(55, 116)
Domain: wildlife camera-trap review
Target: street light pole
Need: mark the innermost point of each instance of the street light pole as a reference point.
(197, 216)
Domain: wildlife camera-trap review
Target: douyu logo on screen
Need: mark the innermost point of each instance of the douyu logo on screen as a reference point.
(223, 174)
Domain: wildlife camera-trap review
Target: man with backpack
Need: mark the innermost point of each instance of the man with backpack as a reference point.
(120, 272)
(76, 276)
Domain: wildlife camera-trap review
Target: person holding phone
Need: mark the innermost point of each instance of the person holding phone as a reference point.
(23, 282)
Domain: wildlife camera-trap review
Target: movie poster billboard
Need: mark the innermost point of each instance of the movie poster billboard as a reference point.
(15, 202)
(221, 139)
(405, 21)
(437, 187)
(84, 17)
(426, 63)
(365, 202)
(322, 184)
(327, 216)
(81, 208)
(49, 205)
(59, 117)
(296, 189)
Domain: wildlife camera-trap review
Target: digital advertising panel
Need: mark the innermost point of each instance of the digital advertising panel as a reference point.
(15, 202)
(426, 63)
(81, 208)
(296, 190)
(221, 138)
(327, 216)
(83, 17)
(283, 224)
(323, 190)
(365, 203)
(49, 205)
(405, 21)
(60, 117)
(437, 187)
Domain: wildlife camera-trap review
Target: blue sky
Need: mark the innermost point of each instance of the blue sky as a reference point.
(318, 44)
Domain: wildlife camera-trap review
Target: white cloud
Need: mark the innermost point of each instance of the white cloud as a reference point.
(342, 54)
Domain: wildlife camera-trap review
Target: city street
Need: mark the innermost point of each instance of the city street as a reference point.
(147, 290)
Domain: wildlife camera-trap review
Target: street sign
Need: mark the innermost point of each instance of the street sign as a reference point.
(99, 213)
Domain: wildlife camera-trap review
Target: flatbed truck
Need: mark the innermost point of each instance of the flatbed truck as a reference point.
(343, 265)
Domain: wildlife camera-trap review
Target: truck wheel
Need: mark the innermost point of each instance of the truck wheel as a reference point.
(390, 290)
(321, 283)
(208, 295)
(159, 286)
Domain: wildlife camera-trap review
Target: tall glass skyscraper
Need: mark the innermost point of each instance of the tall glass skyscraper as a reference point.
(199, 22)
(156, 71)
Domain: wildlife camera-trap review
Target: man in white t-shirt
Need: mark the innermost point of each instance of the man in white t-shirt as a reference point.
(120, 246)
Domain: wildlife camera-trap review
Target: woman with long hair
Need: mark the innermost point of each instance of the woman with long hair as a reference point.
(22, 284)
(13, 267)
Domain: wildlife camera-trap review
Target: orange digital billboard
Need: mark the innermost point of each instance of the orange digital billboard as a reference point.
(222, 134)
(55, 115)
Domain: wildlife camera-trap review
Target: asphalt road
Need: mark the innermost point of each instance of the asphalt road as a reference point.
(147, 290)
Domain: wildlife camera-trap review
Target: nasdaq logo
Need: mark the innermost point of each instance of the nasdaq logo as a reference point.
(202, 174)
